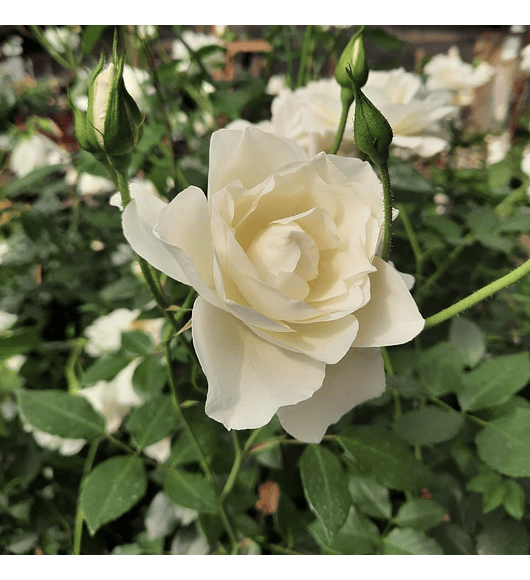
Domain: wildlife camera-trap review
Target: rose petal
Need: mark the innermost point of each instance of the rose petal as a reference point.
(391, 317)
(359, 376)
(185, 224)
(248, 378)
(324, 341)
(233, 155)
(138, 220)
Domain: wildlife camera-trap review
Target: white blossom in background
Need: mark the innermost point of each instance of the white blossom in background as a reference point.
(414, 114)
(147, 31)
(309, 116)
(525, 59)
(14, 363)
(88, 184)
(104, 334)
(61, 38)
(525, 165)
(36, 151)
(136, 185)
(159, 451)
(115, 398)
(163, 515)
(450, 72)
(196, 41)
(13, 46)
(6, 320)
(54, 443)
(276, 84)
(497, 147)
(189, 542)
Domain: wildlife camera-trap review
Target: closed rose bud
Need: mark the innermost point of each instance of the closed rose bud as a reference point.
(114, 121)
(353, 58)
(371, 131)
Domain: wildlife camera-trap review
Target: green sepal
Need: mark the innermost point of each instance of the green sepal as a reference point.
(123, 120)
(371, 130)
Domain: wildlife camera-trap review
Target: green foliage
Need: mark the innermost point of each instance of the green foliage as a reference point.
(439, 464)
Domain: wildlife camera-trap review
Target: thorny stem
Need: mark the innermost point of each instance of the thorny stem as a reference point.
(387, 209)
(479, 295)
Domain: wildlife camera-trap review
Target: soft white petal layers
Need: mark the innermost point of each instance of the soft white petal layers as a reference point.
(391, 317)
(248, 377)
(359, 376)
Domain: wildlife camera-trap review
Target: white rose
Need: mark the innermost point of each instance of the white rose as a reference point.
(115, 398)
(34, 152)
(293, 300)
(310, 116)
(196, 41)
(104, 334)
(448, 71)
(413, 115)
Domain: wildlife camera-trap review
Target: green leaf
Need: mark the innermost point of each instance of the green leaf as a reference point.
(454, 540)
(190, 490)
(513, 501)
(104, 368)
(112, 489)
(381, 454)
(371, 497)
(91, 34)
(503, 538)
(137, 342)
(357, 536)
(407, 541)
(468, 339)
(482, 220)
(325, 486)
(420, 514)
(505, 444)
(428, 425)
(152, 421)
(494, 381)
(60, 413)
(440, 369)
(19, 341)
(150, 376)
(30, 182)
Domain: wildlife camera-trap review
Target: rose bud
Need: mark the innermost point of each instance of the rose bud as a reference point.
(371, 131)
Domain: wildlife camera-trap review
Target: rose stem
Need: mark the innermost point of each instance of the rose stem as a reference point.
(144, 266)
(202, 459)
(479, 295)
(79, 516)
(347, 100)
(387, 209)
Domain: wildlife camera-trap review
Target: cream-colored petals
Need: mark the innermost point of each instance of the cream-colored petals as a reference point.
(325, 341)
(114, 399)
(102, 86)
(185, 224)
(358, 376)
(248, 378)
(391, 316)
(138, 221)
(249, 157)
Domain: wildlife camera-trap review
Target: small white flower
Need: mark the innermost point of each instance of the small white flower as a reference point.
(115, 398)
(449, 72)
(54, 443)
(15, 362)
(88, 184)
(61, 37)
(104, 334)
(34, 152)
(196, 41)
(7, 320)
(160, 450)
(525, 59)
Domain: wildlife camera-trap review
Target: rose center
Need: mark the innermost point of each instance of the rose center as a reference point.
(285, 257)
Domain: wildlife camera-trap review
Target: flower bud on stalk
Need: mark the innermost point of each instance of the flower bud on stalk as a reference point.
(353, 59)
(371, 131)
(114, 123)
